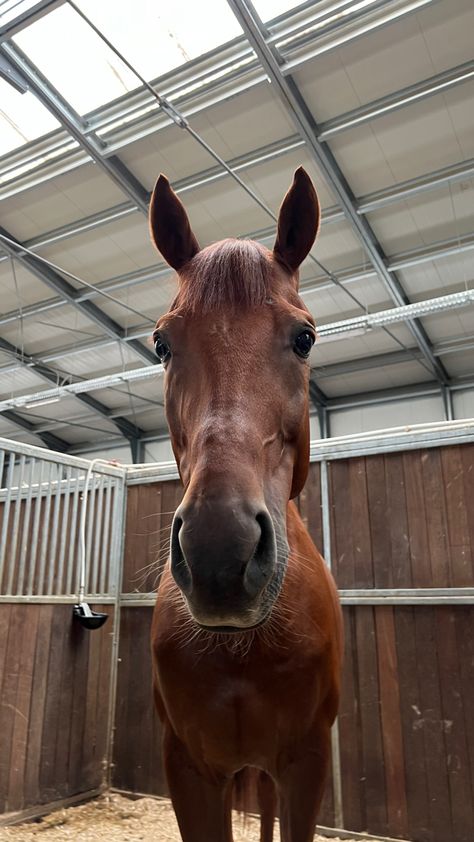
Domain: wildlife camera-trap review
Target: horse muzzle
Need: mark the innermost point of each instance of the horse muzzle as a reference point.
(223, 558)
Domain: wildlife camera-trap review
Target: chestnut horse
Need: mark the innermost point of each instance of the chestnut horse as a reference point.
(247, 630)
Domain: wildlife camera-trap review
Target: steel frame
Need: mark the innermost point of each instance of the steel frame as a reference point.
(308, 129)
(84, 132)
(182, 79)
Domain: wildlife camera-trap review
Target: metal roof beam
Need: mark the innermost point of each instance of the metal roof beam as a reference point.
(70, 294)
(49, 439)
(50, 376)
(24, 19)
(365, 204)
(453, 76)
(399, 99)
(51, 99)
(308, 129)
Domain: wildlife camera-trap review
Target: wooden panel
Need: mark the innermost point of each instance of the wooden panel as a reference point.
(309, 505)
(150, 510)
(137, 747)
(46, 686)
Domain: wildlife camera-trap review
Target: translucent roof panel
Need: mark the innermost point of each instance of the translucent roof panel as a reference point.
(10, 9)
(269, 9)
(153, 37)
(22, 118)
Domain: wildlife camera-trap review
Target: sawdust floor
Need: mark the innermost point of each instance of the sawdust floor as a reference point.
(114, 818)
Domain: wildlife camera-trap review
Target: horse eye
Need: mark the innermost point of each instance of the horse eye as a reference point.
(162, 350)
(303, 343)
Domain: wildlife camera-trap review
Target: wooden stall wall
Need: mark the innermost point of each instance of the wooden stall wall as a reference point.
(406, 719)
(55, 683)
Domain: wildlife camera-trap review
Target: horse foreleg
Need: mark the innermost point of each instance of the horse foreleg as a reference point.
(267, 803)
(301, 786)
(203, 804)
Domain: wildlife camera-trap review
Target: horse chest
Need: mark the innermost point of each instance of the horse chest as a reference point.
(232, 712)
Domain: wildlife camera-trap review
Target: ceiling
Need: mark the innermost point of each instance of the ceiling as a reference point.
(375, 99)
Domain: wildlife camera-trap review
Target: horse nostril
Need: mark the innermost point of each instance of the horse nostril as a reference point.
(261, 566)
(179, 567)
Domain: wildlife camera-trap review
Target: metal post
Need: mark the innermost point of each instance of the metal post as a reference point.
(335, 747)
(115, 588)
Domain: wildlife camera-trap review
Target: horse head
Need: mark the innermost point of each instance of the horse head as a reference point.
(235, 345)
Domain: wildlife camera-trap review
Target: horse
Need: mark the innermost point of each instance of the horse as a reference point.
(247, 631)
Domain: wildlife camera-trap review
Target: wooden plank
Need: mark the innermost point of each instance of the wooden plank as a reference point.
(129, 559)
(461, 551)
(464, 622)
(64, 701)
(32, 794)
(341, 523)
(379, 534)
(78, 710)
(89, 749)
(27, 632)
(103, 691)
(431, 724)
(397, 521)
(310, 505)
(436, 520)
(420, 560)
(121, 770)
(47, 777)
(455, 710)
(350, 732)
(413, 742)
(360, 525)
(8, 699)
(372, 748)
(154, 539)
(394, 760)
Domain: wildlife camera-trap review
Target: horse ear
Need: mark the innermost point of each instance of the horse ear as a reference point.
(298, 221)
(169, 226)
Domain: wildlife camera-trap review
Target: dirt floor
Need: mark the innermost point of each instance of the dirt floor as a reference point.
(114, 818)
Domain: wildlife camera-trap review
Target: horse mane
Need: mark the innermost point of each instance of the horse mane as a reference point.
(231, 274)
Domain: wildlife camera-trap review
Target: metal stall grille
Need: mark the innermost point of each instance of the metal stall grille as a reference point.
(41, 497)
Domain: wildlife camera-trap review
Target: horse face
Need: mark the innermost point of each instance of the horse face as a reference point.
(235, 347)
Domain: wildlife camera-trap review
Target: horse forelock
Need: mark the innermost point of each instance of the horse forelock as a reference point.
(231, 274)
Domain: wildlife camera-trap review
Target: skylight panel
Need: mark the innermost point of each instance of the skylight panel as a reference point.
(22, 118)
(154, 37)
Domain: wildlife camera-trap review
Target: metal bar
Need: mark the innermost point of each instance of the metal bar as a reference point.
(406, 96)
(72, 565)
(51, 376)
(365, 204)
(97, 559)
(24, 539)
(335, 742)
(15, 527)
(62, 111)
(115, 586)
(91, 492)
(409, 596)
(64, 528)
(34, 535)
(238, 50)
(306, 126)
(106, 539)
(69, 293)
(407, 312)
(53, 537)
(20, 448)
(50, 440)
(4, 568)
(26, 18)
(45, 527)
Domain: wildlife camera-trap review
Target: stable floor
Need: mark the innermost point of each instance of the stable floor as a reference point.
(118, 819)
